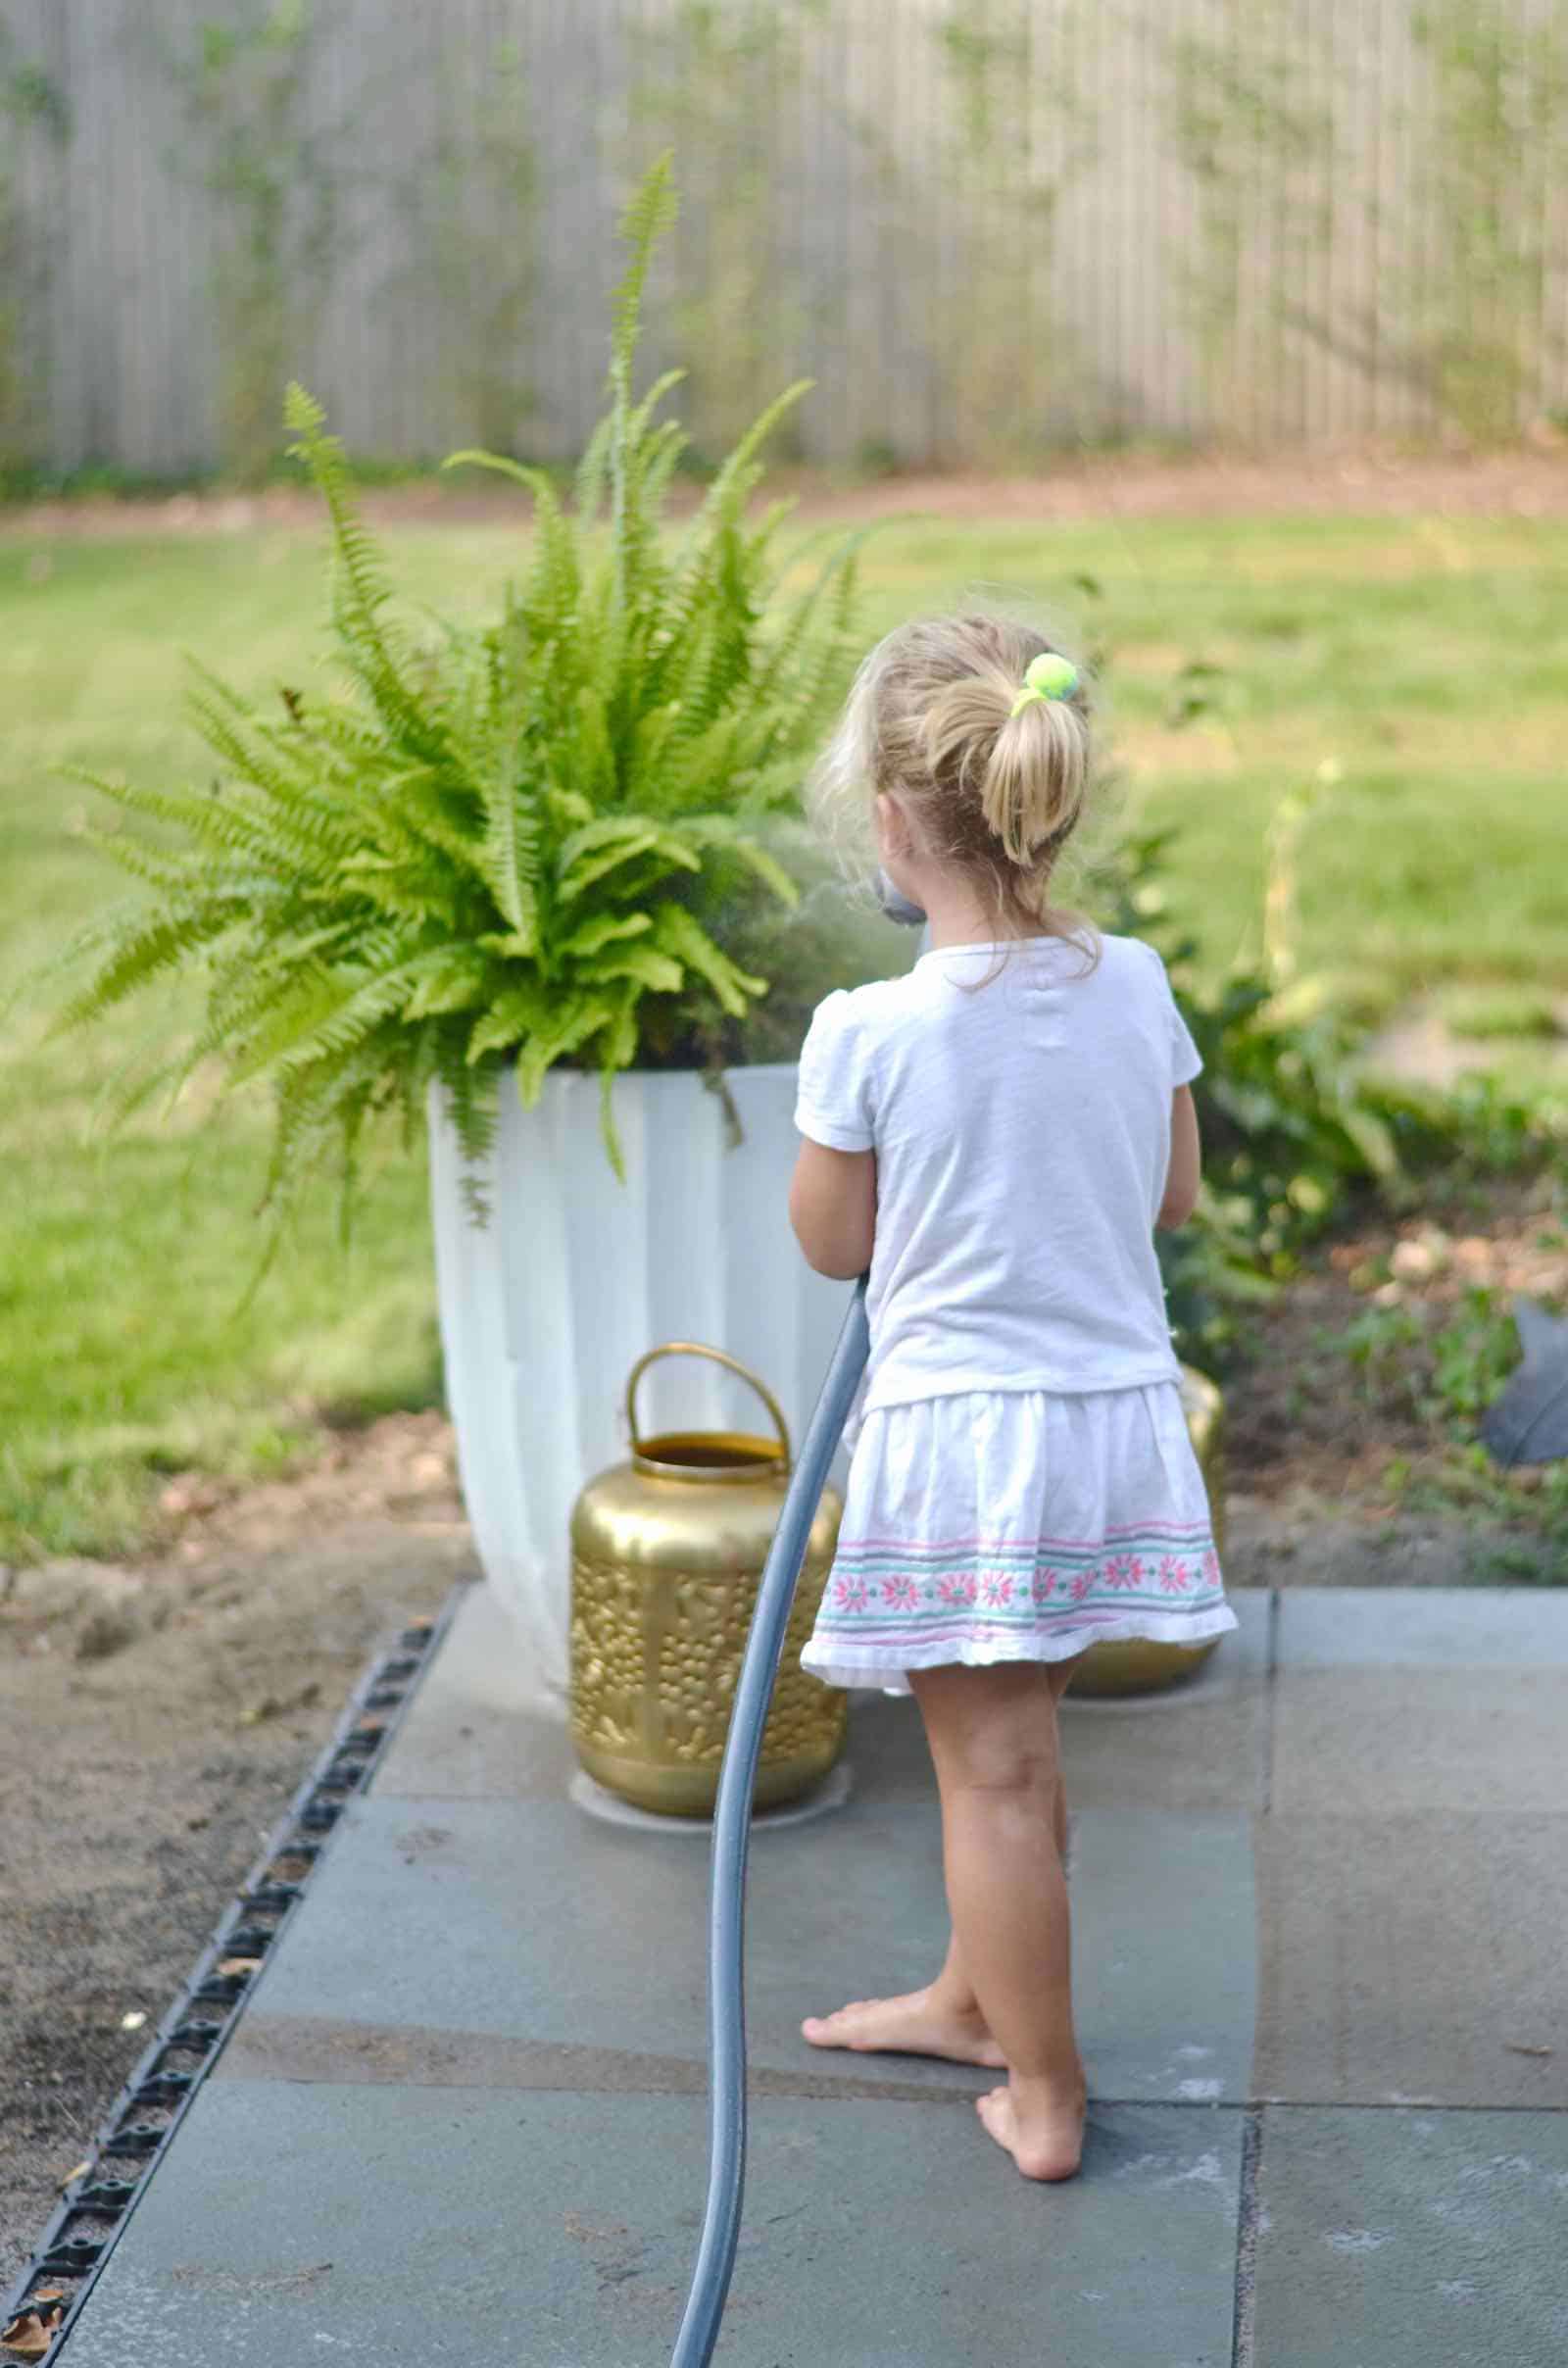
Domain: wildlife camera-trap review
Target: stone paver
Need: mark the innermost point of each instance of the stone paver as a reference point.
(1442, 1738)
(1423, 1627)
(557, 2232)
(1409, 2240)
(1407, 1960)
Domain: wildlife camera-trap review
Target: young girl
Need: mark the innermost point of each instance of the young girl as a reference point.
(996, 1136)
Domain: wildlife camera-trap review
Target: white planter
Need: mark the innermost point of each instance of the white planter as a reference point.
(546, 1307)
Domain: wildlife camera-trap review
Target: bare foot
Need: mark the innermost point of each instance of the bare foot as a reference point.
(1044, 2136)
(920, 2024)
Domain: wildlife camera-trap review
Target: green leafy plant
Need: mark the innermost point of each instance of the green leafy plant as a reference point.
(1444, 1364)
(1472, 1356)
(1381, 1346)
(510, 843)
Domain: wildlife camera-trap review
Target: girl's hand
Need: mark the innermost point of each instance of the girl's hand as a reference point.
(833, 1209)
(1186, 1162)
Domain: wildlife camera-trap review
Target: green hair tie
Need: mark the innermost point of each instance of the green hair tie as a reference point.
(1048, 676)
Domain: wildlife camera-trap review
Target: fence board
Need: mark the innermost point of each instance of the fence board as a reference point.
(898, 255)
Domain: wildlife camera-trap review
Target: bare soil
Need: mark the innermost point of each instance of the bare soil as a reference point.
(154, 1717)
(154, 1721)
(1344, 1472)
(1527, 482)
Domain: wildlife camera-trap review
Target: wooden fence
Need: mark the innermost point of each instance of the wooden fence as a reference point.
(983, 230)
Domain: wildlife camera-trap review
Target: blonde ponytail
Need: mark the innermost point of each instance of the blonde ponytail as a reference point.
(1032, 791)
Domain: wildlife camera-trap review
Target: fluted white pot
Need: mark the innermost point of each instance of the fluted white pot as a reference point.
(546, 1307)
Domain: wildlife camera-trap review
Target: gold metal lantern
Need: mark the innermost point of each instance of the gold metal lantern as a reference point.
(666, 1554)
(1141, 1665)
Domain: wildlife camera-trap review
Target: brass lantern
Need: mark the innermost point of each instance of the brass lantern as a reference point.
(666, 1552)
(1141, 1665)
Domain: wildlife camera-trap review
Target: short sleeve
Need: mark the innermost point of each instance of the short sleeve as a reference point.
(833, 1101)
(1186, 1061)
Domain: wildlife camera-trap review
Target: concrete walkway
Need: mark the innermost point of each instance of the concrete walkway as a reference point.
(1320, 1905)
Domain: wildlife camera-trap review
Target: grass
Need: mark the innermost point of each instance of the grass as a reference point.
(1426, 660)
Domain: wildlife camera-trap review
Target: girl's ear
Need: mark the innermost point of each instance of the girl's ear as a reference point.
(893, 837)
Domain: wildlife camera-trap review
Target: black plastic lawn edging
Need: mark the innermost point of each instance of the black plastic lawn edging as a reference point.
(135, 2133)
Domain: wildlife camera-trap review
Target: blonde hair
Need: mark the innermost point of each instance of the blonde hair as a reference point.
(993, 788)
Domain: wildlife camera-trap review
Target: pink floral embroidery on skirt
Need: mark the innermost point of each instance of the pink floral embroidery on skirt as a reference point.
(1123, 1570)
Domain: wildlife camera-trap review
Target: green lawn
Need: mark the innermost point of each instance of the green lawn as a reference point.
(1426, 660)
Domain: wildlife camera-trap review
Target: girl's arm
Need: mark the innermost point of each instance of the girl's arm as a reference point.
(1186, 1160)
(833, 1209)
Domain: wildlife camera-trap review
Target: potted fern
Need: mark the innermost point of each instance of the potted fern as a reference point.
(503, 880)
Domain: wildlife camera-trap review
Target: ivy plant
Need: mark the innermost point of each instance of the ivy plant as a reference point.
(508, 846)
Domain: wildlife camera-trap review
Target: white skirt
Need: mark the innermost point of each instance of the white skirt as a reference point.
(1017, 1525)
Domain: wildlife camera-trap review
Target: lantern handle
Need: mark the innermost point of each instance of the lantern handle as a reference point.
(719, 1357)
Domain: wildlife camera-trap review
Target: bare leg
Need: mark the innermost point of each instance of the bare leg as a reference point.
(945, 2018)
(992, 1736)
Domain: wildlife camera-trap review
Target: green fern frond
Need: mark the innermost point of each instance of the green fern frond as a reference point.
(510, 848)
(571, 1032)
(592, 482)
(601, 848)
(514, 1014)
(680, 934)
(170, 873)
(457, 979)
(728, 494)
(556, 565)
(723, 831)
(647, 220)
(659, 973)
(355, 1017)
(605, 928)
(365, 589)
(151, 947)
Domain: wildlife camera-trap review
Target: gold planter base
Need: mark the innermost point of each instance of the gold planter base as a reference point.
(686, 1792)
(1136, 1665)
(667, 1553)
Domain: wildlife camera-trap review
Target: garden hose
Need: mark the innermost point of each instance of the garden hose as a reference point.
(732, 1821)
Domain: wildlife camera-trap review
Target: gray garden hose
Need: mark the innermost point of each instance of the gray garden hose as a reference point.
(732, 1823)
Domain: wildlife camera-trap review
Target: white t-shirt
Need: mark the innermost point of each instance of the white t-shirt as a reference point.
(1019, 1109)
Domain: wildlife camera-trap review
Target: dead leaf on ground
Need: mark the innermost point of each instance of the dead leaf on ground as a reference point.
(31, 2332)
(1515, 2048)
(235, 1966)
(75, 2171)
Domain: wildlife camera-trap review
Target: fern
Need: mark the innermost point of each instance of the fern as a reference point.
(505, 845)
